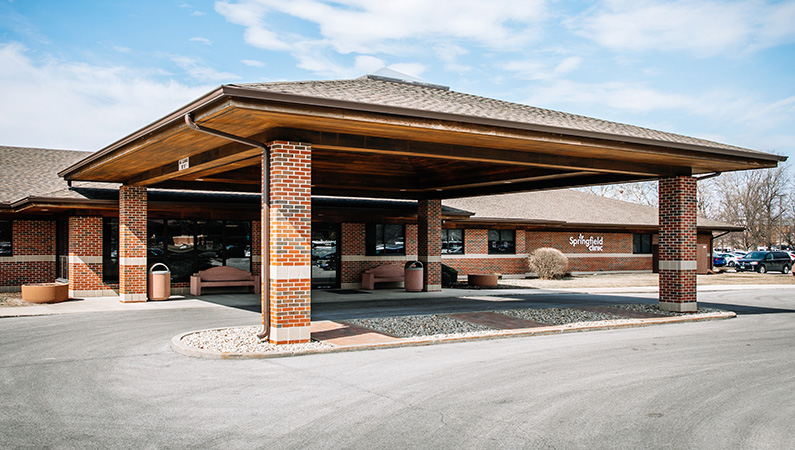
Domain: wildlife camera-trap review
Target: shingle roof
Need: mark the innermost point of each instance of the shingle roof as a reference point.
(429, 98)
(565, 205)
(26, 172)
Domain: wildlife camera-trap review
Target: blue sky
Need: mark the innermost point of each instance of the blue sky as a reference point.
(82, 74)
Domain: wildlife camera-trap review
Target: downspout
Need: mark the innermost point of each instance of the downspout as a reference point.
(265, 273)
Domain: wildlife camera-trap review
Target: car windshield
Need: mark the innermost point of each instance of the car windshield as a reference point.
(755, 255)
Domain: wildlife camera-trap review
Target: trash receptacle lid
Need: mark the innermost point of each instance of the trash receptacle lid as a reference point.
(413, 265)
(152, 269)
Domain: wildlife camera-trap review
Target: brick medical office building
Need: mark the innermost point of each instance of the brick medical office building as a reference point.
(335, 163)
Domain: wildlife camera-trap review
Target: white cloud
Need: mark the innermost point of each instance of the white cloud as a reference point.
(201, 72)
(253, 63)
(705, 28)
(413, 69)
(59, 104)
(537, 70)
(201, 40)
(751, 115)
(374, 27)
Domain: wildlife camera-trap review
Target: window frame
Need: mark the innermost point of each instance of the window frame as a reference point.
(107, 250)
(446, 239)
(638, 243)
(7, 227)
(500, 243)
(372, 239)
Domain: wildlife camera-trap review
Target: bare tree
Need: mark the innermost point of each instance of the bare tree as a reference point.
(754, 199)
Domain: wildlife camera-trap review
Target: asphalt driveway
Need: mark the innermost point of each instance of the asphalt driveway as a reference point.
(110, 380)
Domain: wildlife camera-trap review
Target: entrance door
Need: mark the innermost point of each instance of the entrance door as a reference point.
(325, 255)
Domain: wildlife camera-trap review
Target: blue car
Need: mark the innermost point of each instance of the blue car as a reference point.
(718, 261)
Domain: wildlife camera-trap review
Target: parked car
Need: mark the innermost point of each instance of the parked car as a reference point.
(718, 260)
(791, 255)
(731, 258)
(763, 262)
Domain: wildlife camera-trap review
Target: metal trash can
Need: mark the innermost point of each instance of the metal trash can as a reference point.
(159, 285)
(413, 276)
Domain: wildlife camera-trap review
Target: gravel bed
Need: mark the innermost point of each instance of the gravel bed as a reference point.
(427, 325)
(422, 327)
(561, 316)
(242, 340)
(654, 309)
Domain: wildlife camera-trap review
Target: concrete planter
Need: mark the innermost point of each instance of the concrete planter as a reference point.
(45, 292)
(483, 279)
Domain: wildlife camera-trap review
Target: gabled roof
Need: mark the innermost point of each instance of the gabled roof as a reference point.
(567, 206)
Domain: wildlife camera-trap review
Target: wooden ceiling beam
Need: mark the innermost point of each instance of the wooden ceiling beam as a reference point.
(220, 157)
(585, 179)
(369, 144)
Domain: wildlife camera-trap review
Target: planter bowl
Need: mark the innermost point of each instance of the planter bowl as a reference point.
(483, 279)
(45, 292)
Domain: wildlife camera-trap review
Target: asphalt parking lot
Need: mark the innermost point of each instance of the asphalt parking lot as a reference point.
(110, 380)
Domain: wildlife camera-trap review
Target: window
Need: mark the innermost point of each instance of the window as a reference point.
(110, 250)
(641, 243)
(452, 241)
(6, 239)
(386, 239)
(185, 246)
(502, 241)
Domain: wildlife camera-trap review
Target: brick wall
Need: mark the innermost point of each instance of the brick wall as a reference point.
(132, 243)
(615, 252)
(678, 243)
(85, 257)
(354, 259)
(429, 243)
(33, 259)
(290, 241)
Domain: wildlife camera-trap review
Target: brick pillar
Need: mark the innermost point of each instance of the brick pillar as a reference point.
(256, 248)
(85, 257)
(429, 242)
(678, 244)
(290, 242)
(132, 244)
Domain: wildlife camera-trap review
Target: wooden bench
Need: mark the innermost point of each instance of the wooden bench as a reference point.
(222, 276)
(382, 274)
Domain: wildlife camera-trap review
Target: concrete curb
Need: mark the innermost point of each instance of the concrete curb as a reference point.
(178, 346)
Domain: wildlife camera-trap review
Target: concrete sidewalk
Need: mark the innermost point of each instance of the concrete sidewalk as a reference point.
(319, 297)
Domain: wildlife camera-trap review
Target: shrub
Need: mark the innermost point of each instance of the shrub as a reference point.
(548, 263)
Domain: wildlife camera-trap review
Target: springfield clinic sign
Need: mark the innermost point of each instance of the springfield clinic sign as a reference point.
(594, 244)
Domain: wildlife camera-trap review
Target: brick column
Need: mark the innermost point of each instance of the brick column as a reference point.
(429, 242)
(290, 242)
(132, 244)
(678, 244)
(85, 257)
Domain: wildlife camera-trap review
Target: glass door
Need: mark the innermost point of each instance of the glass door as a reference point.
(325, 255)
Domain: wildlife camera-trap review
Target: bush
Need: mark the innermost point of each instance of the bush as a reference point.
(548, 263)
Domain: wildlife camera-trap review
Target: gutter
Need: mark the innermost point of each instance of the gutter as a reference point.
(265, 222)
